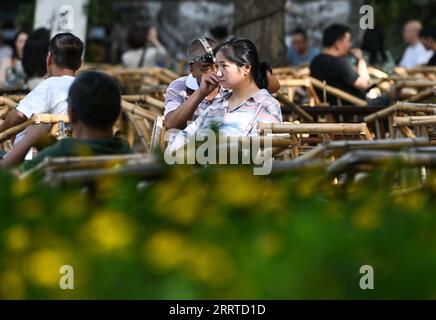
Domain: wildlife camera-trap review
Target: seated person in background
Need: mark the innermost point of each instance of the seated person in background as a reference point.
(333, 67)
(94, 104)
(375, 54)
(5, 58)
(187, 97)
(300, 53)
(50, 96)
(415, 53)
(428, 38)
(146, 49)
(15, 76)
(236, 112)
(35, 57)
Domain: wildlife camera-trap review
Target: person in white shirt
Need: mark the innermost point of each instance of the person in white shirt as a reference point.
(146, 49)
(50, 96)
(415, 53)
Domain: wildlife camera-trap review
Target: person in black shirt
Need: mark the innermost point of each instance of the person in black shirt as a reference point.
(333, 67)
(428, 39)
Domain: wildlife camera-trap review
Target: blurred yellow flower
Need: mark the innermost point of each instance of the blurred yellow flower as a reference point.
(180, 201)
(367, 217)
(21, 186)
(238, 187)
(73, 205)
(412, 202)
(165, 250)
(11, 285)
(209, 264)
(17, 238)
(107, 231)
(107, 187)
(43, 267)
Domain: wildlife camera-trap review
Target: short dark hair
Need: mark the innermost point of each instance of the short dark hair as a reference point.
(67, 50)
(137, 36)
(428, 32)
(96, 99)
(334, 33)
(35, 53)
(219, 32)
(301, 31)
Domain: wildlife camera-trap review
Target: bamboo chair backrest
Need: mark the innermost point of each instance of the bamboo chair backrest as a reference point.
(416, 126)
(400, 108)
(35, 119)
(340, 94)
(157, 135)
(325, 130)
(288, 86)
(76, 164)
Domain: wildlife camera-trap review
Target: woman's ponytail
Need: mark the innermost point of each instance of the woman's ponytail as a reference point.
(260, 74)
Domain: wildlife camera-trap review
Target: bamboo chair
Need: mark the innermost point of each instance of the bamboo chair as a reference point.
(131, 80)
(141, 117)
(336, 149)
(427, 95)
(416, 126)
(57, 129)
(298, 132)
(157, 135)
(290, 86)
(357, 161)
(400, 108)
(146, 101)
(35, 119)
(340, 94)
(428, 72)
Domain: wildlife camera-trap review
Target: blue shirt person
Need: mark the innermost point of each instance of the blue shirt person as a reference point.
(301, 53)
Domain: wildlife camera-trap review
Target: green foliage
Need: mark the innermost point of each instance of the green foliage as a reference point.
(218, 232)
(25, 16)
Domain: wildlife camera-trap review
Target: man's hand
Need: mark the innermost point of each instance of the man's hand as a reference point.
(152, 35)
(357, 53)
(209, 82)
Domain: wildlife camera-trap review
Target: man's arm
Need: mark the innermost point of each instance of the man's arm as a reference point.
(13, 118)
(362, 82)
(18, 153)
(179, 118)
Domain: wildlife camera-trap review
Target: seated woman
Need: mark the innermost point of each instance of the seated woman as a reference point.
(237, 112)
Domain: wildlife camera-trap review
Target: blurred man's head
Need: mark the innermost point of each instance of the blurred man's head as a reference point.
(137, 36)
(218, 33)
(200, 61)
(299, 41)
(64, 52)
(94, 101)
(428, 38)
(411, 31)
(337, 37)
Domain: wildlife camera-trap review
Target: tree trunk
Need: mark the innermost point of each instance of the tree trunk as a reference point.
(263, 23)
